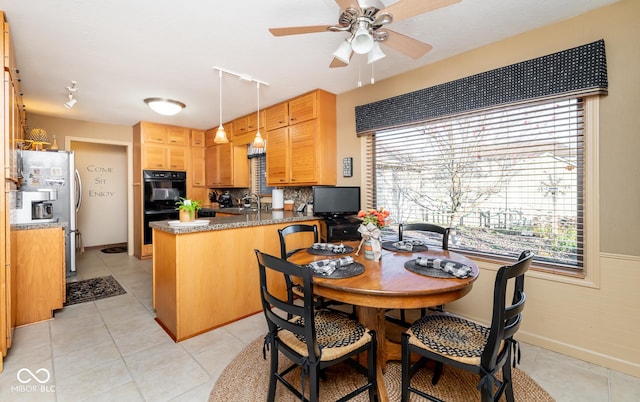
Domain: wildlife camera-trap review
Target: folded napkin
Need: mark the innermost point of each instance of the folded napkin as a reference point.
(407, 244)
(326, 267)
(451, 267)
(334, 248)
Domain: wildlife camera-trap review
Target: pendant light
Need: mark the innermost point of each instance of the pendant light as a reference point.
(258, 142)
(221, 135)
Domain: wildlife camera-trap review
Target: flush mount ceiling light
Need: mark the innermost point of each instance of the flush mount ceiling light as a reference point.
(164, 106)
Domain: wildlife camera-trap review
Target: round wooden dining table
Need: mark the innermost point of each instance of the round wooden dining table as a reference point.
(387, 284)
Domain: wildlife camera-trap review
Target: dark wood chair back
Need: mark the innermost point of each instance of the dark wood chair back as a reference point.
(425, 227)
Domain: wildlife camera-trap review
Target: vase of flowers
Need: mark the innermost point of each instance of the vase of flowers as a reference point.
(373, 220)
(188, 209)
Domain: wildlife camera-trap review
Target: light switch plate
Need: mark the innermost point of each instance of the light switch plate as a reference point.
(347, 167)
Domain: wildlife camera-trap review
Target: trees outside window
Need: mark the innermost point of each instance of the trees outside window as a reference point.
(504, 180)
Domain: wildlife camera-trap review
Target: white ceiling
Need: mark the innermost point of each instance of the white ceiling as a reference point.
(122, 51)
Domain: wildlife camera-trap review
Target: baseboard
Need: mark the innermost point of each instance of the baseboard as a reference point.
(623, 366)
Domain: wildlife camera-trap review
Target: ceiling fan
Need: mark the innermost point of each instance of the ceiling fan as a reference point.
(366, 21)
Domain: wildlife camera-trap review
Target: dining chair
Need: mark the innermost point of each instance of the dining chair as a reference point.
(428, 229)
(312, 339)
(458, 342)
(288, 248)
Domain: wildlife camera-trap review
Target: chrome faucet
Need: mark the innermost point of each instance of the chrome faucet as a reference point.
(257, 196)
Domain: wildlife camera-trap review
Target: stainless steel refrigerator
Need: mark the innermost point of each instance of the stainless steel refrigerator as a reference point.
(55, 172)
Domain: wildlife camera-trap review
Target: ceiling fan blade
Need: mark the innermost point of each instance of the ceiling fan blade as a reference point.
(407, 45)
(344, 4)
(404, 9)
(298, 30)
(337, 63)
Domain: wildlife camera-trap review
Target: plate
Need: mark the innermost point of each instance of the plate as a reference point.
(346, 271)
(313, 251)
(197, 222)
(388, 245)
(427, 271)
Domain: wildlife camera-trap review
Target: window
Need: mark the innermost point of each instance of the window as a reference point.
(259, 174)
(505, 180)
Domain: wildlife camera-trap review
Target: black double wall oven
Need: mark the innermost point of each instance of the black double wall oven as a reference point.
(161, 191)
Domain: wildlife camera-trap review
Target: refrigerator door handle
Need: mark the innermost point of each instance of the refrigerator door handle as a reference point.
(78, 190)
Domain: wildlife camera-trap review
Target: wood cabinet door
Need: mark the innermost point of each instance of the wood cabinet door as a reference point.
(303, 153)
(154, 133)
(303, 108)
(154, 156)
(177, 157)
(225, 164)
(252, 120)
(277, 116)
(239, 127)
(278, 157)
(177, 136)
(198, 166)
(211, 166)
(197, 138)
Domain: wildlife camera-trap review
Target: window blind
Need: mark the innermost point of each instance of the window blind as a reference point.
(505, 180)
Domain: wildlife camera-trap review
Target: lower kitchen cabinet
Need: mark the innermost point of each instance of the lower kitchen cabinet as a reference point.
(40, 273)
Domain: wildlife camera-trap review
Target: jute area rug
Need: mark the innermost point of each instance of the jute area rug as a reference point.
(246, 379)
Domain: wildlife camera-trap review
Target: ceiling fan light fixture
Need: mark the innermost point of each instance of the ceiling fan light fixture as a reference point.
(343, 53)
(362, 41)
(375, 54)
(164, 106)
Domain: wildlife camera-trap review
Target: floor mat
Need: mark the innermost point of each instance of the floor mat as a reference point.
(92, 289)
(113, 250)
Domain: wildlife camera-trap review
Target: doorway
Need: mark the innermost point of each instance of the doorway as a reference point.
(104, 167)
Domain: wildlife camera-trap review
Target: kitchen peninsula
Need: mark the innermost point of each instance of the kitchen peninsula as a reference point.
(207, 276)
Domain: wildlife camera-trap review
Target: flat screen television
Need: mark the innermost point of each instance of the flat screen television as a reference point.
(330, 201)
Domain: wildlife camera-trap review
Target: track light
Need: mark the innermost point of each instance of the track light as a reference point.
(164, 106)
(221, 135)
(71, 89)
(71, 102)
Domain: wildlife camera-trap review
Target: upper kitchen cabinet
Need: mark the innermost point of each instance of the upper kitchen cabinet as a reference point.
(239, 127)
(304, 108)
(197, 138)
(252, 120)
(227, 166)
(160, 147)
(277, 116)
(303, 153)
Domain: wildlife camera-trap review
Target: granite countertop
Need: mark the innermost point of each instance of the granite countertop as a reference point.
(39, 225)
(236, 221)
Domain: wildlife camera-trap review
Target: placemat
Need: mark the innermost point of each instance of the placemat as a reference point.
(346, 271)
(388, 245)
(426, 271)
(314, 251)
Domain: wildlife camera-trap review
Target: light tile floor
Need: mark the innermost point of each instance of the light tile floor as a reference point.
(113, 350)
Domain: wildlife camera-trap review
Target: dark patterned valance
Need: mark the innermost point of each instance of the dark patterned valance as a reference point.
(581, 70)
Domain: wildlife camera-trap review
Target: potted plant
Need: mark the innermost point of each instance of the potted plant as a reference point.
(188, 209)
